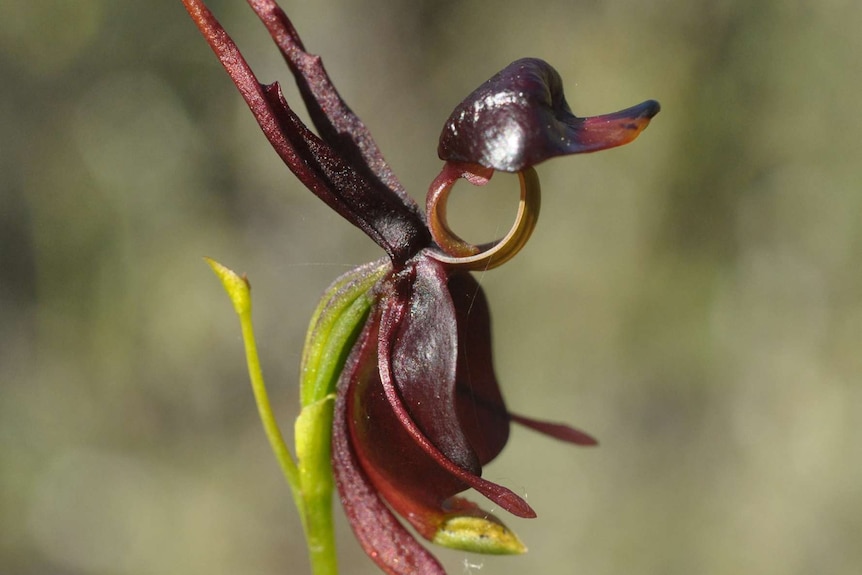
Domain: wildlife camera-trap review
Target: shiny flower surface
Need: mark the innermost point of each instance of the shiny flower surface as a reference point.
(418, 411)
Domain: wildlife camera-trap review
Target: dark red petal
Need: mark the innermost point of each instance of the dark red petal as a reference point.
(559, 431)
(361, 198)
(379, 533)
(413, 483)
(335, 121)
(424, 360)
(395, 309)
(520, 117)
(417, 486)
(480, 405)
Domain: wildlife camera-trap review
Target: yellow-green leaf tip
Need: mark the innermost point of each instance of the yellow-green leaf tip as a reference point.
(478, 535)
(236, 286)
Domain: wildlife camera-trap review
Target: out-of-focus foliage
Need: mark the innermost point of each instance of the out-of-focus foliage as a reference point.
(694, 299)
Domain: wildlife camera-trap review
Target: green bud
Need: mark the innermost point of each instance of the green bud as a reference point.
(478, 535)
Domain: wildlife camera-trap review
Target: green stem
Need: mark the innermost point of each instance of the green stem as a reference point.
(321, 536)
(311, 481)
(313, 431)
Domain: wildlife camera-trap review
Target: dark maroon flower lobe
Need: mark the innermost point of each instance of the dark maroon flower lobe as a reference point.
(400, 434)
(377, 529)
(429, 394)
(418, 413)
(520, 118)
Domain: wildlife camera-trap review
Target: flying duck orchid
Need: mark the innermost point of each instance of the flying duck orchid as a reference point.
(397, 371)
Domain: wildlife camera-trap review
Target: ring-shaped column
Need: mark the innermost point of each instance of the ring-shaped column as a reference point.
(459, 253)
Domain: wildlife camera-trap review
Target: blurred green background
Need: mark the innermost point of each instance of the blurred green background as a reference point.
(693, 299)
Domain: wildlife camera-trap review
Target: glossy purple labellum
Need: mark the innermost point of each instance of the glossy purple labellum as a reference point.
(520, 118)
(419, 410)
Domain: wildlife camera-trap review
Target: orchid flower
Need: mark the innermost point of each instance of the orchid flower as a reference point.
(404, 343)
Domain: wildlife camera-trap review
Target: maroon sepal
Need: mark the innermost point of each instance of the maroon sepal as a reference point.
(345, 181)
